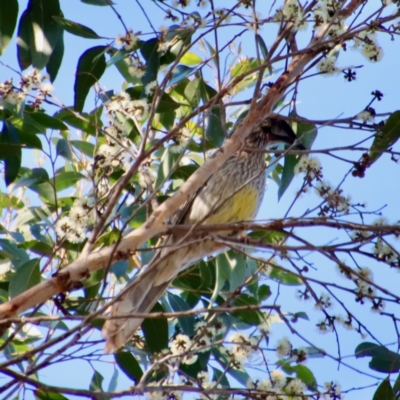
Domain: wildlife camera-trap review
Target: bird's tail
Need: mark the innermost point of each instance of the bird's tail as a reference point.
(147, 287)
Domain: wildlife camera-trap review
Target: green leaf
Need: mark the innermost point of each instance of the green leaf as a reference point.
(251, 317)
(285, 277)
(45, 30)
(98, 2)
(149, 50)
(215, 130)
(26, 276)
(168, 161)
(46, 121)
(263, 292)
(307, 134)
(12, 163)
(155, 331)
(263, 47)
(177, 305)
(223, 273)
(129, 365)
(167, 104)
(16, 255)
(85, 147)
(8, 146)
(67, 179)
(200, 365)
(220, 377)
(91, 66)
(396, 386)
(190, 58)
(77, 29)
(301, 315)
(193, 92)
(303, 373)
(113, 381)
(8, 22)
(45, 395)
(24, 33)
(63, 149)
(384, 391)
(9, 201)
(287, 174)
(179, 73)
(383, 359)
(85, 122)
(120, 61)
(387, 137)
(54, 63)
(96, 382)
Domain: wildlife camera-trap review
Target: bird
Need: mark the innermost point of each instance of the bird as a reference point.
(234, 193)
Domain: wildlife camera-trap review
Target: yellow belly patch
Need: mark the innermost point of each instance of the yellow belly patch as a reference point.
(240, 207)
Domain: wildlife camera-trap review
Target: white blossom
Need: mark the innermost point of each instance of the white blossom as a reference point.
(283, 348)
(372, 51)
(278, 378)
(327, 66)
(365, 116)
(180, 344)
(150, 88)
(295, 387)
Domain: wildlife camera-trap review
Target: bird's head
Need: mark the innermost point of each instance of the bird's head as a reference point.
(270, 133)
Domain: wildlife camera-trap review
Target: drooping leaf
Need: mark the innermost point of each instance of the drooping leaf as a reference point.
(155, 331)
(26, 276)
(8, 22)
(285, 277)
(178, 304)
(180, 72)
(307, 134)
(46, 395)
(24, 32)
(17, 255)
(10, 201)
(45, 120)
(85, 122)
(215, 130)
(129, 365)
(287, 174)
(85, 147)
(384, 391)
(251, 317)
(63, 149)
(96, 382)
(67, 179)
(383, 359)
(91, 66)
(149, 50)
(10, 137)
(76, 29)
(387, 137)
(264, 291)
(54, 63)
(190, 58)
(303, 373)
(113, 381)
(45, 31)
